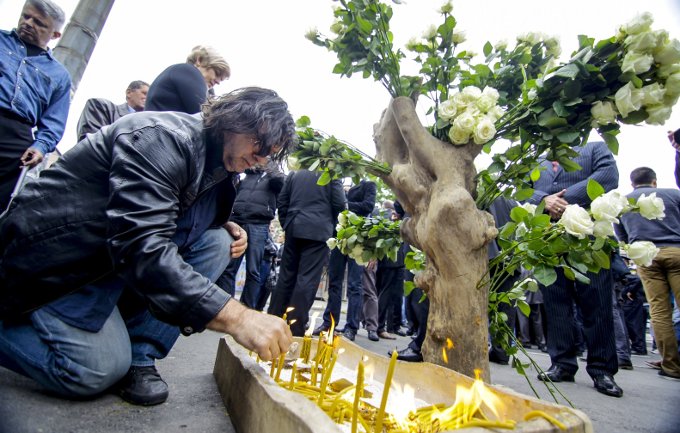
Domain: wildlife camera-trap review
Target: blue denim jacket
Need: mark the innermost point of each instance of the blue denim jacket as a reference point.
(35, 88)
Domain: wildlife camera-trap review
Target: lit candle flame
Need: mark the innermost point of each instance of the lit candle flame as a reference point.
(445, 350)
(312, 324)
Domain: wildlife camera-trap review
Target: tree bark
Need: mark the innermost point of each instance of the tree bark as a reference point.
(434, 181)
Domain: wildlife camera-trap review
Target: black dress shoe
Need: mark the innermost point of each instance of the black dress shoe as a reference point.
(319, 329)
(408, 354)
(625, 365)
(498, 359)
(556, 374)
(605, 384)
(143, 386)
(373, 336)
(349, 333)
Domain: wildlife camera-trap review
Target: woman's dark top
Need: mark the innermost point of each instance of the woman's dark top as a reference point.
(180, 87)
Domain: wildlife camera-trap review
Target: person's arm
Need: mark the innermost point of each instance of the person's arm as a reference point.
(338, 199)
(96, 114)
(283, 200)
(604, 171)
(367, 201)
(52, 122)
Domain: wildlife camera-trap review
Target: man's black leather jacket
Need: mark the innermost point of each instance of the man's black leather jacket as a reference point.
(110, 205)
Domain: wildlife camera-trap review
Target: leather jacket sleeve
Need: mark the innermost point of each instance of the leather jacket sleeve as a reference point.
(146, 183)
(96, 114)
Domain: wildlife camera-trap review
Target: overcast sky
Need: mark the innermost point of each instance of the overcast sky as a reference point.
(263, 40)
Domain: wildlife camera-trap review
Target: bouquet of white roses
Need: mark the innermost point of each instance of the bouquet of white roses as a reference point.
(366, 238)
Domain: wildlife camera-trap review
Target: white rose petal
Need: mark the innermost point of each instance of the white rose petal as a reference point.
(643, 42)
(641, 23)
(332, 243)
(607, 208)
(652, 94)
(669, 53)
(472, 91)
(658, 114)
(447, 110)
(458, 37)
(576, 221)
(484, 131)
(531, 208)
(458, 136)
(673, 84)
(465, 122)
(628, 99)
(430, 32)
(636, 62)
(641, 252)
(603, 112)
(603, 229)
(651, 207)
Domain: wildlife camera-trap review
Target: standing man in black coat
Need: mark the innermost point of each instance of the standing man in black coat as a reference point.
(559, 189)
(254, 209)
(360, 200)
(308, 213)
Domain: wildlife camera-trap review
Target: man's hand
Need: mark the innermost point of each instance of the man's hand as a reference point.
(31, 157)
(268, 336)
(555, 204)
(240, 244)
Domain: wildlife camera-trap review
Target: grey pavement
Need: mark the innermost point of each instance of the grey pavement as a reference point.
(650, 404)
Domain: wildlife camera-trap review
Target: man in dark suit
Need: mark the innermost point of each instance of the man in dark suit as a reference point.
(307, 212)
(558, 188)
(99, 112)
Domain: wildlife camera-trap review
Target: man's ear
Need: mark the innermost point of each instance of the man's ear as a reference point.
(56, 35)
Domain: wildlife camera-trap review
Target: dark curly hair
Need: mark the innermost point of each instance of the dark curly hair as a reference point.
(252, 110)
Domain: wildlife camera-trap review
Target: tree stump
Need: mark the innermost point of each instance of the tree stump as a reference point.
(434, 181)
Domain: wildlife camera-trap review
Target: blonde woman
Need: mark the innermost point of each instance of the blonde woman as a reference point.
(184, 87)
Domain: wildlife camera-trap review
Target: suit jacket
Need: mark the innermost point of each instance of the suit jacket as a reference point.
(307, 210)
(361, 198)
(97, 113)
(596, 162)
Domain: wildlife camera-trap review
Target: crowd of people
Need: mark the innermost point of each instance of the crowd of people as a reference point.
(136, 235)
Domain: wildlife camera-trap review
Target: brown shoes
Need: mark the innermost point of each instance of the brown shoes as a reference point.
(386, 335)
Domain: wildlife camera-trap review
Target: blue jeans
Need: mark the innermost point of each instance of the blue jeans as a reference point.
(77, 363)
(257, 236)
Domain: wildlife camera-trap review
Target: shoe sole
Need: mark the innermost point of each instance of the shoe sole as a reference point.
(143, 402)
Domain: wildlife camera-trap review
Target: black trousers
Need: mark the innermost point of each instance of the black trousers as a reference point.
(636, 323)
(419, 312)
(300, 272)
(595, 302)
(390, 284)
(15, 137)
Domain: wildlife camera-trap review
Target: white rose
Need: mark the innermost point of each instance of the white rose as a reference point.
(521, 230)
(603, 229)
(447, 110)
(651, 207)
(652, 94)
(332, 243)
(430, 32)
(412, 44)
(446, 8)
(531, 94)
(628, 99)
(576, 221)
(531, 208)
(641, 252)
(458, 136)
(658, 114)
(673, 84)
(603, 112)
(484, 131)
(644, 42)
(357, 251)
(669, 53)
(487, 100)
(666, 71)
(458, 37)
(641, 23)
(501, 45)
(530, 37)
(636, 63)
(460, 100)
(465, 121)
(472, 92)
(312, 34)
(495, 113)
(552, 46)
(342, 219)
(608, 207)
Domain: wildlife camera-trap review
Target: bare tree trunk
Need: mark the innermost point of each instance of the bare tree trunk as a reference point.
(80, 37)
(434, 181)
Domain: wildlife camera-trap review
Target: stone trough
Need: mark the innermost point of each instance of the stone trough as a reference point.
(257, 404)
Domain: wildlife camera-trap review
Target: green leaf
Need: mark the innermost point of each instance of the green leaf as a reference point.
(594, 189)
(524, 307)
(364, 25)
(569, 165)
(518, 214)
(612, 142)
(569, 70)
(545, 275)
(523, 194)
(325, 178)
(535, 174)
(601, 258)
(408, 287)
(487, 49)
(558, 106)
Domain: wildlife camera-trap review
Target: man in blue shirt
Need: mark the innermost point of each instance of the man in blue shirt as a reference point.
(34, 92)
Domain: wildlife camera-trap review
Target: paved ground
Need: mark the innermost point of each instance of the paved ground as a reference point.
(649, 405)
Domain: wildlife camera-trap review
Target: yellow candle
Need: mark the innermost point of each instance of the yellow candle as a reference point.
(313, 378)
(357, 395)
(326, 376)
(282, 358)
(291, 385)
(318, 347)
(386, 391)
(306, 348)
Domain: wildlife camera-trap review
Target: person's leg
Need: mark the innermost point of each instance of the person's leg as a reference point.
(658, 281)
(257, 236)
(227, 281)
(558, 302)
(265, 290)
(336, 276)
(634, 317)
(290, 261)
(64, 359)
(522, 329)
(313, 258)
(536, 319)
(620, 335)
(370, 298)
(355, 292)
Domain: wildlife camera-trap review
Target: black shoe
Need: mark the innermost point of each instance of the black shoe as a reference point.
(556, 374)
(667, 376)
(543, 348)
(373, 336)
(408, 355)
(143, 386)
(625, 365)
(638, 352)
(349, 333)
(498, 359)
(402, 333)
(604, 383)
(319, 329)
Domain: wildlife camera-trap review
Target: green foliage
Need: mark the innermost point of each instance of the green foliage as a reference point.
(366, 238)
